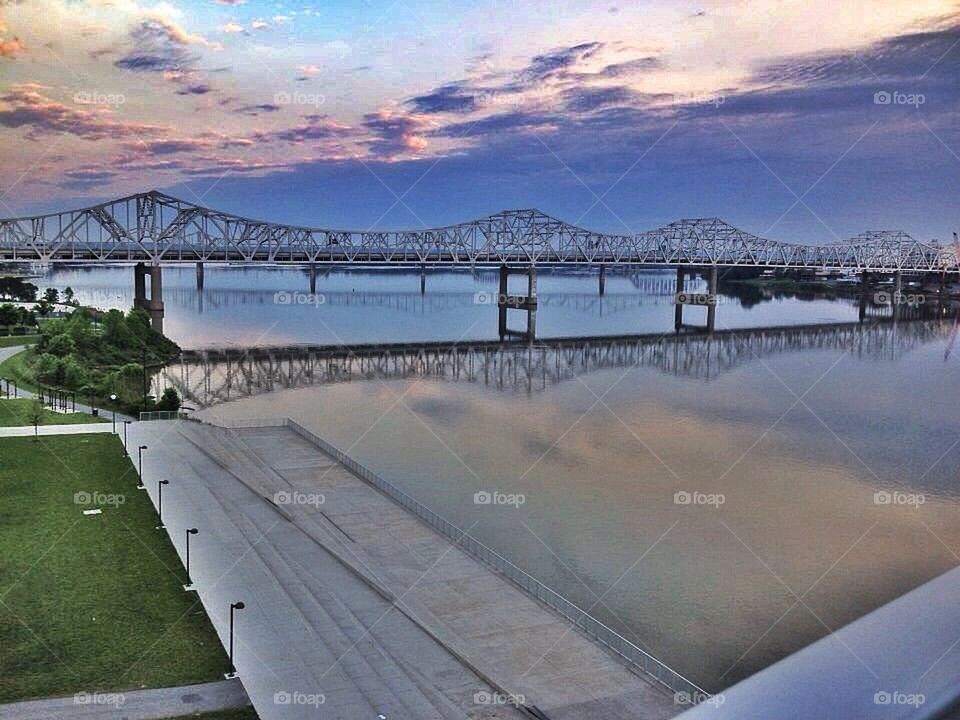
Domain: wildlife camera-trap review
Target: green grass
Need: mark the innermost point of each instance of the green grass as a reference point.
(14, 340)
(247, 713)
(16, 412)
(90, 603)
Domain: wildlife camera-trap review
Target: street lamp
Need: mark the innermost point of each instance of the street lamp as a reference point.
(189, 586)
(125, 451)
(113, 402)
(233, 670)
(140, 485)
(160, 484)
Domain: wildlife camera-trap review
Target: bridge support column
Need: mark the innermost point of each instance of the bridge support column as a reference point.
(865, 285)
(199, 276)
(423, 280)
(140, 286)
(603, 278)
(678, 298)
(527, 303)
(312, 272)
(711, 298)
(156, 299)
(897, 298)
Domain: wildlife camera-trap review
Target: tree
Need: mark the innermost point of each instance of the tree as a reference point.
(44, 308)
(51, 295)
(170, 400)
(35, 415)
(68, 297)
(9, 315)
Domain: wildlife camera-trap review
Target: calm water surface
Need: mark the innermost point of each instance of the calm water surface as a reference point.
(795, 443)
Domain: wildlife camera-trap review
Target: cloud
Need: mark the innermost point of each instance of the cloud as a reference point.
(259, 24)
(198, 89)
(26, 107)
(11, 48)
(556, 62)
(232, 27)
(447, 98)
(396, 134)
(160, 46)
(257, 109)
(170, 146)
(230, 2)
(583, 100)
(316, 127)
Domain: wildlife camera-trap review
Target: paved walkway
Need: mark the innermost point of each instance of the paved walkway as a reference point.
(105, 413)
(78, 429)
(359, 566)
(314, 640)
(134, 704)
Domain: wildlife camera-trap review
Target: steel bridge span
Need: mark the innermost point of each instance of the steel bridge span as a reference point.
(209, 377)
(152, 228)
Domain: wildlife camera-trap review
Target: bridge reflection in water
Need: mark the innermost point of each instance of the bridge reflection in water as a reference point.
(209, 377)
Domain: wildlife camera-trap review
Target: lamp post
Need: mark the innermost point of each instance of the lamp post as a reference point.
(125, 451)
(160, 484)
(233, 670)
(113, 402)
(140, 485)
(189, 585)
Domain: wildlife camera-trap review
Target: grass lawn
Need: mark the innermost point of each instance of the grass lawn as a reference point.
(15, 412)
(14, 340)
(90, 603)
(247, 713)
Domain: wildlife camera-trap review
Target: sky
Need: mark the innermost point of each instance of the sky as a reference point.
(806, 121)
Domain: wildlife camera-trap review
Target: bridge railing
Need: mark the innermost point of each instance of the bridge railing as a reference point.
(682, 687)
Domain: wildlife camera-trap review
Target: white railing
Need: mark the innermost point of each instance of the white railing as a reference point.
(635, 656)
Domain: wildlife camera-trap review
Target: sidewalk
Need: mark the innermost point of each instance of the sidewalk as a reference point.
(313, 640)
(133, 704)
(355, 599)
(28, 431)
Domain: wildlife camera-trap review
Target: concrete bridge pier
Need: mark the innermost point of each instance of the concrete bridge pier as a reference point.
(155, 306)
(423, 280)
(866, 283)
(603, 278)
(527, 303)
(140, 286)
(709, 299)
(199, 276)
(312, 272)
(897, 299)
